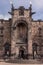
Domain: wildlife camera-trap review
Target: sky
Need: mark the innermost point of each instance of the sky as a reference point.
(37, 6)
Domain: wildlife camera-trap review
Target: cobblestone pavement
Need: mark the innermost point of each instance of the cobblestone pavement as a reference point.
(21, 61)
(3, 63)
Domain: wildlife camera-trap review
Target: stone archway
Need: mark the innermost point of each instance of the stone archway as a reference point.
(21, 35)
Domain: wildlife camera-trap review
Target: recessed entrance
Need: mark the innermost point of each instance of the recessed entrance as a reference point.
(22, 32)
(21, 52)
(21, 37)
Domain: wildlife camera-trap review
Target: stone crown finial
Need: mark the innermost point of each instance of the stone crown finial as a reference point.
(30, 3)
(11, 1)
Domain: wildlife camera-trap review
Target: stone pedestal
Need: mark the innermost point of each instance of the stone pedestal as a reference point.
(13, 47)
(30, 47)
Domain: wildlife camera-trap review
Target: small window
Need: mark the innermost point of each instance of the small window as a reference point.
(1, 29)
(39, 31)
(21, 12)
(2, 21)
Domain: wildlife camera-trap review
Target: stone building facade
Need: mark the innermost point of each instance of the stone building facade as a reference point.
(21, 30)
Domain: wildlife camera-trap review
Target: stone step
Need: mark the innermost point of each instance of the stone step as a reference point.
(24, 61)
(20, 61)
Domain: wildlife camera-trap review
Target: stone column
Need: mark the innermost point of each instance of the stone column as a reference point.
(29, 42)
(12, 42)
(12, 47)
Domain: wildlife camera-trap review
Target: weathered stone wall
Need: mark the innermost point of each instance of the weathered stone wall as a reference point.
(35, 35)
(32, 29)
(10, 33)
(5, 34)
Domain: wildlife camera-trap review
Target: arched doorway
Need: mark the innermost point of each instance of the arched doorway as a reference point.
(22, 32)
(21, 36)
